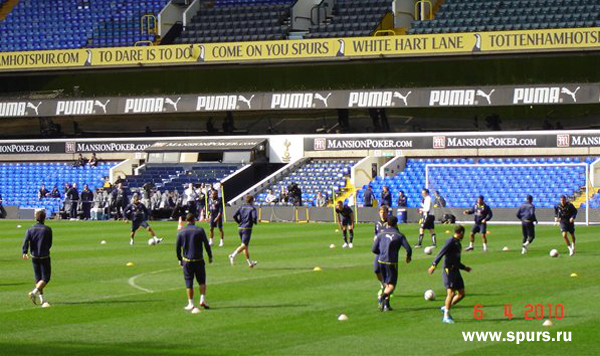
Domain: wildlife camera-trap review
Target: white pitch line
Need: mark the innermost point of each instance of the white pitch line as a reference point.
(132, 283)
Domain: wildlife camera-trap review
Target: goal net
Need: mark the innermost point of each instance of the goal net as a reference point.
(505, 186)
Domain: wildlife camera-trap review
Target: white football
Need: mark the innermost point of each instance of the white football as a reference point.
(428, 250)
(151, 241)
(429, 295)
(554, 253)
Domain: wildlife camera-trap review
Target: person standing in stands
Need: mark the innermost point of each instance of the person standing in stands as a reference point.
(93, 160)
(368, 195)
(67, 187)
(38, 240)
(43, 192)
(271, 198)
(87, 198)
(80, 162)
(402, 200)
(73, 196)
(386, 197)
(440, 202)
(321, 200)
(2, 211)
(191, 197)
(202, 198)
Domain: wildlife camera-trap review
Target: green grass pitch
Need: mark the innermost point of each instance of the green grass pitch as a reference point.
(283, 307)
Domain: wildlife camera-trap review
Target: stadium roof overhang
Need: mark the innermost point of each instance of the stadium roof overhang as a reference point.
(209, 145)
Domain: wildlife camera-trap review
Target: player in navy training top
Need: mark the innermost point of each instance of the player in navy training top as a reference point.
(38, 240)
(526, 214)
(453, 281)
(215, 218)
(379, 226)
(482, 214)
(190, 239)
(246, 217)
(345, 218)
(386, 246)
(565, 214)
(138, 214)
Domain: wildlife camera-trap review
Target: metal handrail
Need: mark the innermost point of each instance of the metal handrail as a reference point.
(423, 3)
(145, 41)
(393, 33)
(150, 19)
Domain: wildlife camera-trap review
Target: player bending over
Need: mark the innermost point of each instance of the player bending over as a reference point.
(345, 217)
(38, 240)
(427, 220)
(246, 217)
(565, 214)
(483, 214)
(453, 281)
(379, 226)
(386, 246)
(190, 239)
(526, 214)
(138, 214)
(216, 217)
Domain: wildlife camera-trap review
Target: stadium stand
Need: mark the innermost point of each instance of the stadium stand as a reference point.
(314, 176)
(502, 186)
(352, 18)
(36, 25)
(19, 182)
(239, 21)
(174, 177)
(509, 15)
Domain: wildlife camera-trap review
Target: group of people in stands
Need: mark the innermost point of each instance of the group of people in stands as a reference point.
(109, 202)
(401, 202)
(82, 161)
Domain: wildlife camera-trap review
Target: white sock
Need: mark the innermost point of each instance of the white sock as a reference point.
(446, 313)
(35, 291)
(190, 302)
(201, 298)
(470, 244)
(42, 299)
(249, 262)
(526, 243)
(234, 253)
(484, 246)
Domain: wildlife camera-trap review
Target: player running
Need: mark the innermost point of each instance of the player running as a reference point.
(138, 214)
(483, 214)
(565, 213)
(345, 218)
(453, 281)
(379, 226)
(190, 239)
(38, 240)
(427, 220)
(215, 218)
(386, 246)
(526, 214)
(246, 217)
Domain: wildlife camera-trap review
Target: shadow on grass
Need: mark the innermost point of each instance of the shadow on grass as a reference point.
(12, 284)
(110, 302)
(260, 306)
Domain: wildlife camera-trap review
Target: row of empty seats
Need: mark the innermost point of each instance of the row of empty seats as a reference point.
(352, 18)
(235, 22)
(20, 182)
(510, 15)
(35, 25)
(498, 179)
(176, 177)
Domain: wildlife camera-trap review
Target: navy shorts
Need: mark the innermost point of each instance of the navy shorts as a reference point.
(453, 279)
(528, 230)
(377, 267)
(216, 222)
(389, 273)
(479, 228)
(245, 235)
(567, 227)
(346, 221)
(42, 269)
(428, 222)
(191, 270)
(135, 224)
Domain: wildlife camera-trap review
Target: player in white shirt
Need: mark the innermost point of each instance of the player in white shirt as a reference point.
(427, 219)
